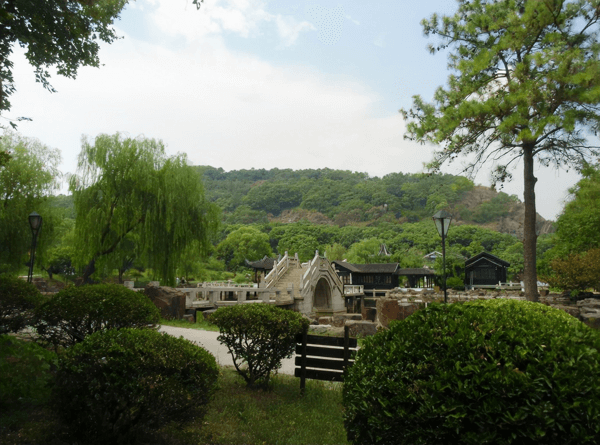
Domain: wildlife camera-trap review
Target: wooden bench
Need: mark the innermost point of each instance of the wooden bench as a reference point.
(320, 357)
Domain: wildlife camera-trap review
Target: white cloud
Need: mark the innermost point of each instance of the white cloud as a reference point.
(245, 18)
(221, 108)
(356, 22)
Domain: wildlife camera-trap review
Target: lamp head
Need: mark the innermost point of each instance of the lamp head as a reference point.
(35, 222)
(442, 221)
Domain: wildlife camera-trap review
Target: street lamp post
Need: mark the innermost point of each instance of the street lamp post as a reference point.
(442, 223)
(35, 222)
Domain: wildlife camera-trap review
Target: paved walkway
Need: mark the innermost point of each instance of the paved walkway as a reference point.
(208, 340)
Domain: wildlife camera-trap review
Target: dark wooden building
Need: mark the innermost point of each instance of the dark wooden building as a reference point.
(485, 270)
(261, 267)
(380, 276)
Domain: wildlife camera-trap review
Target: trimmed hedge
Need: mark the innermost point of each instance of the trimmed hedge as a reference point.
(76, 312)
(119, 386)
(18, 299)
(259, 337)
(484, 372)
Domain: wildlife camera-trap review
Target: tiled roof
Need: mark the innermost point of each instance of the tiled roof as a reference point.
(266, 263)
(368, 268)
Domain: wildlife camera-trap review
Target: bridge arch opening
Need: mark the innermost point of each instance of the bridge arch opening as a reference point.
(322, 296)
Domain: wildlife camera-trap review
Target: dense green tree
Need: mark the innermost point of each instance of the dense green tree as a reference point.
(301, 244)
(578, 227)
(126, 187)
(26, 182)
(525, 86)
(335, 252)
(273, 197)
(245, 243)
(367, 252)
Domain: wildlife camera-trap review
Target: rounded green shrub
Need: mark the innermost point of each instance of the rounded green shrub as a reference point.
(119, 386)
(484, 372)
(76, 312)
(18, 300)
(259, 337)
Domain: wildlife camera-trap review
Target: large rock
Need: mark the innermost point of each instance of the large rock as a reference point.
(361, 328)
(339, 320)
(389, 309)
(590, 312)
(170, 301)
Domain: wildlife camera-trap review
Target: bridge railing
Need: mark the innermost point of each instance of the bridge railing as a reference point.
(278, 269)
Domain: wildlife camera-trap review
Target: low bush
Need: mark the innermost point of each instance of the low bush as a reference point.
(25, 372)
(485, 372)
(119, 386)
(259, 337)
(455, 283)
(76, 312)
(18, 300)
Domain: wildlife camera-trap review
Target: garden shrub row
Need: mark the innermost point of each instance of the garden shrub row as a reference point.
(118, 380)
(483, 372)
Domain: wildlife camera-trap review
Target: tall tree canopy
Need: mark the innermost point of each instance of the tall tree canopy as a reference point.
(26, 182)
(579, 224)
(130, 189)
(525, 85)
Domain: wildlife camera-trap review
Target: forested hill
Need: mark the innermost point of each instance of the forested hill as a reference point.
(339, 197)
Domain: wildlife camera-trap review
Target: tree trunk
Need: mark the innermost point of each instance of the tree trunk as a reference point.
(88, 271)
(529, 229)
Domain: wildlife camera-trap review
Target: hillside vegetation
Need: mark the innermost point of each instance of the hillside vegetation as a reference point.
(337, 197)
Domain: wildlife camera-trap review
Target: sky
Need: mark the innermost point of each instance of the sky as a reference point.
(243, 84)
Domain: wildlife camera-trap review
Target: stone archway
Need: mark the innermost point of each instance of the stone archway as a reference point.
(322, 296)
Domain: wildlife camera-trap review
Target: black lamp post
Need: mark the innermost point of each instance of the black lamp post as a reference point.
(442, 223)
(35, 222)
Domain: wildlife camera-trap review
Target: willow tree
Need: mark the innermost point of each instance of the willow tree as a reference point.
(525, 85)
(129, 189)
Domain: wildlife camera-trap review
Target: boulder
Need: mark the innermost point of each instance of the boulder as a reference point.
(590, 312)
(571, 310)
(170, 301)
(206, 314)
(389, 309)
(325, 320)
(339, 320)
(361, 328)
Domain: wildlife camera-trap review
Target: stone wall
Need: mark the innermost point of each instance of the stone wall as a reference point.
(400, 303)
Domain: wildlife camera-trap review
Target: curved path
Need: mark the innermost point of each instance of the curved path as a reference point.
(208, 340)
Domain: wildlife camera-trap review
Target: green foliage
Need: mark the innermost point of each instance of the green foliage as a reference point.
(18, 299)
(258, 337)
(366, 252)
(524, 84)
(577, 272)
(577, 227)
(493, 209)
(273, 197)
(26, 182)
(245, 243)
(455, 283)
(120, 385)
(128, 189)
(55, 33)
(483, 372)
(25, 372)
(77, 312)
